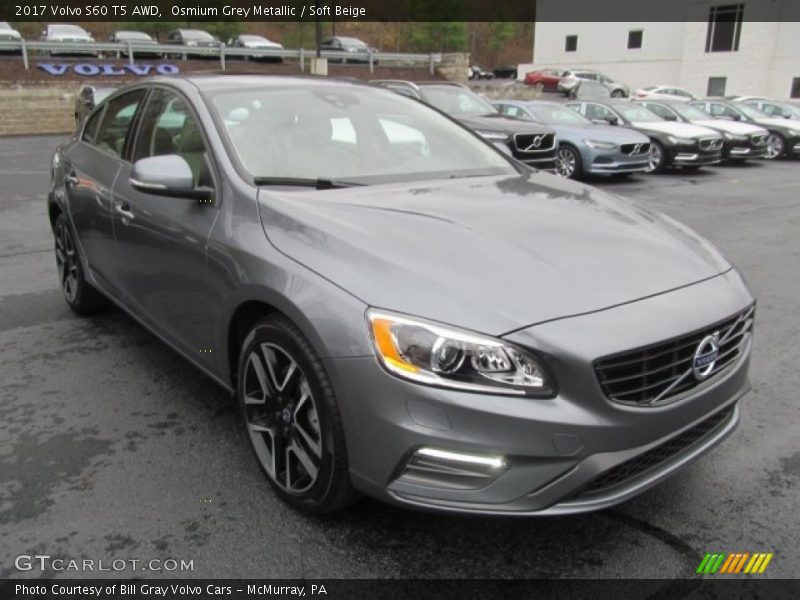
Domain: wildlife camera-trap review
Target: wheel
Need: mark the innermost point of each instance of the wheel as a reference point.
(568, 162)
(292, 418)
(775, 146)
(81, 297)
(656, 159)
(617, 94)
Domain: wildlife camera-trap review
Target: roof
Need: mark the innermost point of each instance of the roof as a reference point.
(216, 81)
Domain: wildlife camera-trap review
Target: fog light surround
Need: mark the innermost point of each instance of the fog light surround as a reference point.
(435, 467)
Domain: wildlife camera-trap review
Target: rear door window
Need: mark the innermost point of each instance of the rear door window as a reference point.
(115, 127)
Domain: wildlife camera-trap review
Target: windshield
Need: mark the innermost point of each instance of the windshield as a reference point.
(348, 133)
(690, 113)
(197, 34)
(457, 101)
(348, 41)
(556, 114)
(751, 112)
(636, 114)
(132, 35)
(71, 29)
(793, 110)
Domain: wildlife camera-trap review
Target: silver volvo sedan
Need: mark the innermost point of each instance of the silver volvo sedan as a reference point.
(401, 309)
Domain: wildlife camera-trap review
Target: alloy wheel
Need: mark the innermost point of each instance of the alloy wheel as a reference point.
(282, 418)
(774, 146)
(565, 165)
(654, 159)
(66, 261)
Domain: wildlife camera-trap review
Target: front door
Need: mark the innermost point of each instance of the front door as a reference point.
(161, 241)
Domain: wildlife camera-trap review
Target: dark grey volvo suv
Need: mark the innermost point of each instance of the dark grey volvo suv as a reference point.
(401, 309)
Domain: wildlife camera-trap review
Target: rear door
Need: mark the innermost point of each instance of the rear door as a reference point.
(91, 167)
(161, 241)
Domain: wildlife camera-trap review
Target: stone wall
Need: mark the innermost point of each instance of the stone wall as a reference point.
(508, 92)
(37, 109)
(454, 67)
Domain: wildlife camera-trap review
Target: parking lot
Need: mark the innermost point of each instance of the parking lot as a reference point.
(112, 446)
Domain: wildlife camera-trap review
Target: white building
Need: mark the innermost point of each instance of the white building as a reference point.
(721, 47)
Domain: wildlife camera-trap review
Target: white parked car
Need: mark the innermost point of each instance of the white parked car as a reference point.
(664, 92)
(63, 33)
(256, 42)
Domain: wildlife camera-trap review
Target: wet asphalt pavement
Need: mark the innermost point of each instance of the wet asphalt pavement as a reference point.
(112, 446)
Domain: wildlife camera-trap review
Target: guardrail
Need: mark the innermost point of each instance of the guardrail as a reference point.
(129, 50)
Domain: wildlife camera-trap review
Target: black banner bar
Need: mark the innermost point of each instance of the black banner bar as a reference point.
(416, 589)
(521, 11)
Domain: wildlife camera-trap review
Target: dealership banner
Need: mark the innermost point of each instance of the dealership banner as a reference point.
(400, 589)
(382, 10)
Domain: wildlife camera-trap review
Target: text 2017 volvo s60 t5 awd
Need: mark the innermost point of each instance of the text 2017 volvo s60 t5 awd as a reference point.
(401, 309)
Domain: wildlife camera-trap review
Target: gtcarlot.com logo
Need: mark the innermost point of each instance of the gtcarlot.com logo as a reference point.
(728, 563)
(46, 562)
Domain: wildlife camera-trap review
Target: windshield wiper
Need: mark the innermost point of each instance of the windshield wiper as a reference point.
(319, 183)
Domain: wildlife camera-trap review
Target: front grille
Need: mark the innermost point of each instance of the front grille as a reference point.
(635, 149)
(658, 373)
(758, 140)
(654, 457)
(710, 144)
(534, 142)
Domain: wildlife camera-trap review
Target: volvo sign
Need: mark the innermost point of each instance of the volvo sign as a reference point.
(108, 69)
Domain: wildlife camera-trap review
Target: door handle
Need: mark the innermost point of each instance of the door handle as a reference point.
(124, 209)
(72, 178)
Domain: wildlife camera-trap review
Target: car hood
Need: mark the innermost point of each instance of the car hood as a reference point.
(733, 127)
(677, 129)
(492, 254)
(503, 124)
(603, 133)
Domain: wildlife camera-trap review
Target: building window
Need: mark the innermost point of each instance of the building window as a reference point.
(724, 28)
(571, 43)
(795, 88)
(635, 39)
(716, 86)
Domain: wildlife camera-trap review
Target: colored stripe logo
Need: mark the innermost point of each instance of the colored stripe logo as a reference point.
(734, 563)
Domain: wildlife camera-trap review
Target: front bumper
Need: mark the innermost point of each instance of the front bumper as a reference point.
(793, 146)
(599, 162)
(692, 156)
(743, 150)
(554, 449)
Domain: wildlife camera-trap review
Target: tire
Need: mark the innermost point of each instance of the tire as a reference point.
(657, 157)
(617, 94)
(568, 162)
(81, 297)
(776, 146)
(292, 418)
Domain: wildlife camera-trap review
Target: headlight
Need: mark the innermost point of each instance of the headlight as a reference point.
(679, 140)
(792, 132)
(54, 164)
(443, 356)
(352, 49)
(493, 136)
(600, 145)
(191, 43)
(734, 138)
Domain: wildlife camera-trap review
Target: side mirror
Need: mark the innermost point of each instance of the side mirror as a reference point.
(612, 120)
(167, 175)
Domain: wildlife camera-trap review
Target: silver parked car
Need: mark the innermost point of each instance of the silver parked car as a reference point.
(401, 309)
(583, 146)
(67, 34)
(572, 79)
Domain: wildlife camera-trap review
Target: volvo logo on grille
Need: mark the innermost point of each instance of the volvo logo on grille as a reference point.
(705, 356)
(536, 142)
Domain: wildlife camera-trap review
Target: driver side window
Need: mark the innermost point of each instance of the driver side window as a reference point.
(595, 111)
(661, 111)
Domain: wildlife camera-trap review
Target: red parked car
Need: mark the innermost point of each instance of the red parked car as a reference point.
(547, 78)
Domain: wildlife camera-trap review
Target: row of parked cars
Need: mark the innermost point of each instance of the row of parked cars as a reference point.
(192, 42)
(615, 136)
